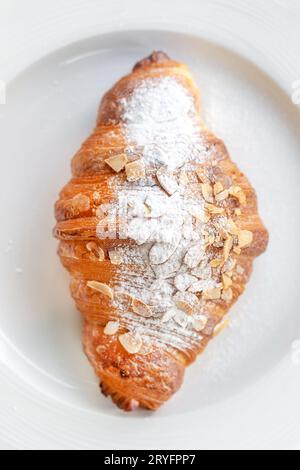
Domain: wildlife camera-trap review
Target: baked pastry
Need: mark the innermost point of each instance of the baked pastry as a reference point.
(158, 229)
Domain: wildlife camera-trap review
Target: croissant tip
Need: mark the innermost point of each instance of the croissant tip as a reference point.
(125, 404)
(155, 58)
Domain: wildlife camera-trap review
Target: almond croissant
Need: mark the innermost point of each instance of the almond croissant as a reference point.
(158, 229)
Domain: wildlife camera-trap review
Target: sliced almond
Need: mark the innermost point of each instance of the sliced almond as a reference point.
(202, 175)
(183, 281)
(214, 210)
(117, 162)
(131, 342)
(228, 244)
(245, 238)
(200, 322)
(161, 252)
(92, 247)
(140, 308)
(227, 295)
(216, 262)
(167, 180)
(115, 257)
(218, 188)
(100, 287)
(181, 319)
(238, 193)
(227, 282)
(135, 170)
(111, 328)
(207, 192)
(212, 294)
(185, 306)
(202, 285)
(221, 327)
(232, 228)
(168, 315)
(194, 255)
(203, 271)
(238, 211)
(222, 195)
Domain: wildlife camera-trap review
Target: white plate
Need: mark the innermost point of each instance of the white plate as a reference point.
(242, 391)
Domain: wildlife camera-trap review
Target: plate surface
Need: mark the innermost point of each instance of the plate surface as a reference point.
(51, 108)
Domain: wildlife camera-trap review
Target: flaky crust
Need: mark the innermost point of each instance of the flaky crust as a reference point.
(145, 379)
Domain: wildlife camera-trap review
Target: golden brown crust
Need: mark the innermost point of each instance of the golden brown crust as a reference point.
(151, 377)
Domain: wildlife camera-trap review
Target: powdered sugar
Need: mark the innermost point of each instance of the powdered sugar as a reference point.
(161, 119)
(168, 264)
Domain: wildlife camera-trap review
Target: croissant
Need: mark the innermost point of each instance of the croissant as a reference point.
(158, 229)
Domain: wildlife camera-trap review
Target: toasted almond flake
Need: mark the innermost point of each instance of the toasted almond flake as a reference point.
(221, 327)
(100, 287)
(167, 180)
(209, 239)
(168, 315)
(135, 170)
(214, 210)
(212, 294)
(237, 250)
(79, 203)
(183, 178)
(117, 162)
(131, 342)
(140, 308)
(148, 210)
(203, 271)
(200, 322)
(115, 257)
(185, 306)
(202, 176)
(227, 247)
(232, 228)
(227, 295)
(218, 188)
(227, 282)
(181, 319)
(204, 217)
(202, 285)
(183, 281)
(216, 262)
(207, 192)
(161, 252)
(238, 193)
(92, 247)
(222, 196)
(111, 328)
(194, 255)
(245, 238)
